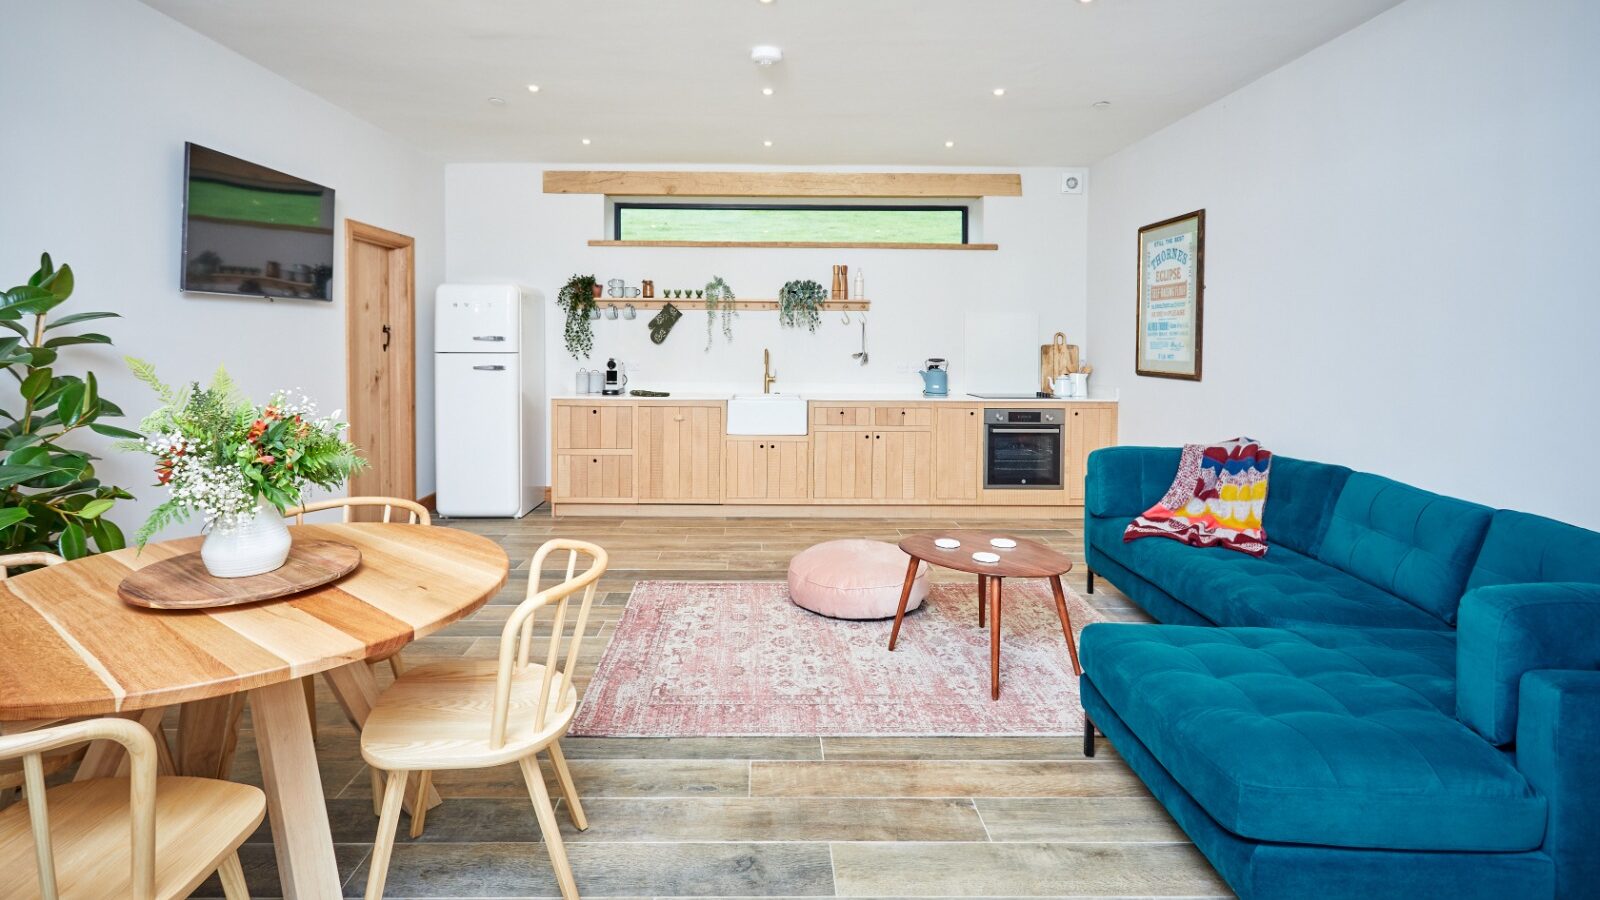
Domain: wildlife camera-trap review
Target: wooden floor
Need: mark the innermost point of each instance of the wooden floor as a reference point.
(776, 817)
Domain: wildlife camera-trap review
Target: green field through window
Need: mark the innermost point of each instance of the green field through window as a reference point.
(828, 224)
(217, 200)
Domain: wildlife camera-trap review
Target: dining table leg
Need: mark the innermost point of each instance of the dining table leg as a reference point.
(905, 596)
(208, 735)
(301, 835)
(356, 689)
(994, 636)
(1066, 621)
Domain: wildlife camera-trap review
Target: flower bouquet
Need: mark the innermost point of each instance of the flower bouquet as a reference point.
(238, 465)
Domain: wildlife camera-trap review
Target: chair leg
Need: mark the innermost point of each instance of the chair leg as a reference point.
(394, 794)
(311, 704)
(396, 667)
(232, 875)
(568, 789)
(419, 804)
(548, 826)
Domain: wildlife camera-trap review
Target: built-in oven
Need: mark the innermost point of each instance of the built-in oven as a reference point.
(1022, 448)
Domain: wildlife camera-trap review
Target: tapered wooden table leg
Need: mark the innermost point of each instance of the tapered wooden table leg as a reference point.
(295, 806)
(905, 595)
(983, 596)
(208, 732)
(994, 636)
(356, 689)
(1066, 621)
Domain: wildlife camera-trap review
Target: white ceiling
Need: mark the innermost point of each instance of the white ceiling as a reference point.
(863, 82)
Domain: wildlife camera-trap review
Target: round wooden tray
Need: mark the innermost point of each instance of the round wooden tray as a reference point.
(182, 582)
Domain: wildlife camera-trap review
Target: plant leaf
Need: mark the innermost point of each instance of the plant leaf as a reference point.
(10, 475)
(114, 431)
(59, 284)
(74, 542)
(67, 340)
(75, 318)
(46, 269)
(71, 402)
(11, 516)
(94, 508)
(107, 536)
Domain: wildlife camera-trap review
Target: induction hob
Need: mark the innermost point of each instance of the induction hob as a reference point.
(1036, 395)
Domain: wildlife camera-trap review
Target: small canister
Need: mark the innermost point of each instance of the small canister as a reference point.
(597, 381)
(583, 381)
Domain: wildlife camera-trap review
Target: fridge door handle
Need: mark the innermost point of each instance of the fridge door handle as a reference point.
(489, 337)
(489, 368)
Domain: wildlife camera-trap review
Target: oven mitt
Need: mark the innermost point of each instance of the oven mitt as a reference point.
(662, 324)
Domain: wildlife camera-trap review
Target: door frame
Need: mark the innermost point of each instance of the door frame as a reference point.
(403, 322)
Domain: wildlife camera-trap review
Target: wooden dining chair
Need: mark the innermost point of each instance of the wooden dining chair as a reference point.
(473, 714)
(143, 837)
(61, 758)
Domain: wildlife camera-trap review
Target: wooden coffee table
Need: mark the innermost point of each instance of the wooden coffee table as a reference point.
(1029, 559)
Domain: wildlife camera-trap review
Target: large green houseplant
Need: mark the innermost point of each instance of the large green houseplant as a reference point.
(52, 499)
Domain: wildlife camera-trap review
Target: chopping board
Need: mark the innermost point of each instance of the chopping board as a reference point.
(182, 582)
(1056, 358)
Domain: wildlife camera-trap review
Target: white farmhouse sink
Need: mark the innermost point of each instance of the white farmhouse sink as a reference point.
(766, 414)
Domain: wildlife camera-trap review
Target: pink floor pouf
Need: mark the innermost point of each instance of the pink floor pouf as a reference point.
(854, 579)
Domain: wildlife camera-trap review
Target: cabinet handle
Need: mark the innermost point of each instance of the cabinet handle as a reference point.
(902, 412)
(594, 412)
(594, 460)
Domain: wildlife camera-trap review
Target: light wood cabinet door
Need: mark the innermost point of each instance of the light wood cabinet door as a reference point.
(594, 477)
(761, 470)
(834, 414)
(957, 454)
(902, 466)
(680, 454)
(598, 426)
(1088, 429)
(902, 417)
(841, 465)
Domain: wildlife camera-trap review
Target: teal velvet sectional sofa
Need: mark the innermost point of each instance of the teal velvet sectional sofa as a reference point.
(1401, 699)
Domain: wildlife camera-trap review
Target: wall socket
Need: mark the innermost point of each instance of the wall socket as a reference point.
(1073, 181)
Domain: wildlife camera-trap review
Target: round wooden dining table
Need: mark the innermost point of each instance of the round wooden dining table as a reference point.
(70, 647)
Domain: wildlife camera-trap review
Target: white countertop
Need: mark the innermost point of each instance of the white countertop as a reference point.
(843, 396)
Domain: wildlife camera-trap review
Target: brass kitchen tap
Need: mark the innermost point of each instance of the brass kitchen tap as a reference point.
(767, 375)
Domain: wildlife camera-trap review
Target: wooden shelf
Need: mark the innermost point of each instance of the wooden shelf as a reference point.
(643, 303)
(797, 245)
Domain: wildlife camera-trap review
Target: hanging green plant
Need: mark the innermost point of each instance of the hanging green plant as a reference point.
(800, 303)
(577, 299)
(719, 298)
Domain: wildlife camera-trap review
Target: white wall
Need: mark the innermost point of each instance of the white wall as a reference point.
(98, 100)
(1399, 263)
(501, 226)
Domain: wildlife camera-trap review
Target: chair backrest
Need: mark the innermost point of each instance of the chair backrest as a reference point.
(31, 747)
(516, 638)
(11, 560)
(416, 513)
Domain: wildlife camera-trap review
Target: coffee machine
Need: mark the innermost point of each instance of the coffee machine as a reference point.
(616, 378)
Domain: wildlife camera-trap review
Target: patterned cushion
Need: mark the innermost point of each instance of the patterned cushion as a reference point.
(854, 579)
(1323, 738)
(1234, 589)
(1414, 544)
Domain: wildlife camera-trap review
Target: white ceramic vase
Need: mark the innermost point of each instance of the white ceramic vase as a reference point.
(249, 548)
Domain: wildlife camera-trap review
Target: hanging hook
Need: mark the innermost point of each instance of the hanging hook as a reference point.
(846, 318)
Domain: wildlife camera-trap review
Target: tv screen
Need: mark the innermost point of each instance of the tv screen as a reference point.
(251, 230)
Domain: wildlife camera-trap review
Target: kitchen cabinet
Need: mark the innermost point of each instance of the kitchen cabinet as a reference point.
(845, 416)
(680, 453)
(902, 417)
(594, 477)
(1088, 428)
(902, 466)
(957, 454)
(766, 469)
(841, 464)
(599, 426)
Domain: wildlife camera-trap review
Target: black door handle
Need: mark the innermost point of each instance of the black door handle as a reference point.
(387, 335)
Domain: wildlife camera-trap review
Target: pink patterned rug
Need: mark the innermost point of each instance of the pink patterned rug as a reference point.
(739, 658)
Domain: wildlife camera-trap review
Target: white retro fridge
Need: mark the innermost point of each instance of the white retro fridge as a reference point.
(488, 393)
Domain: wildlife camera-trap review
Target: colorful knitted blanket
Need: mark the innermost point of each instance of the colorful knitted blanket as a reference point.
(1216, 499)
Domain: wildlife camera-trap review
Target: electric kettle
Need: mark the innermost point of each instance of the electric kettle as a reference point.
(935, 378)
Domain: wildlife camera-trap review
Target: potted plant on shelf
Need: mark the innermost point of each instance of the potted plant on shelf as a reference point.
(52, 500)
(800, 303)
(239, 466)
(577, 298)
(719, 298)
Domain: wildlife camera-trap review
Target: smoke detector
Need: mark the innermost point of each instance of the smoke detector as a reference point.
(766, 55)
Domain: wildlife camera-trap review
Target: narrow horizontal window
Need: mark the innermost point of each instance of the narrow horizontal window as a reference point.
(767, 223)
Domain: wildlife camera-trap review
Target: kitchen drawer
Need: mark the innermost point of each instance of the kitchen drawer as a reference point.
(906, 416)
(837, 414)
(599, 426)
(594, 477)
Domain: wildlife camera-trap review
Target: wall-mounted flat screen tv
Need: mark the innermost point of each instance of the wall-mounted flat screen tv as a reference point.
(251, 230)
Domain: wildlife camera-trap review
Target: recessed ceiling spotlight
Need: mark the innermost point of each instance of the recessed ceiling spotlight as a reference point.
(949, 144)
(497, 101)
(766, 55)
(767, 91)
(533, 89)
(999, 92)
(1101, 104)
(1085, 2)
(586, 142)
(766, 143)
(766, 2)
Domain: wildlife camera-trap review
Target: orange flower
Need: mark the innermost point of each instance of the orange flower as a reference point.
(266, 459)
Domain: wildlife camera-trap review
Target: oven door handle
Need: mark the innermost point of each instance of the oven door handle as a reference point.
(994, 430)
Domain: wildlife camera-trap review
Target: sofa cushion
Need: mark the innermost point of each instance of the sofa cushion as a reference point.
(1414, 544)
(1521, 548)
(1509, 630)
(1284, 738)
(1300, 503)
(1235, 589)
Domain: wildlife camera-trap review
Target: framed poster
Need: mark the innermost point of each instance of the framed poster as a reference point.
(1172, 256)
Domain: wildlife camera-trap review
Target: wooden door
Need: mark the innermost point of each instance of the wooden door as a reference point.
(902, 466)
(759, 470)
(380, 340)
(957, 454)
(680, 454)
(605, 426)
(1088, 429)
(841, 465)
(788, 469)
(744, 477)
